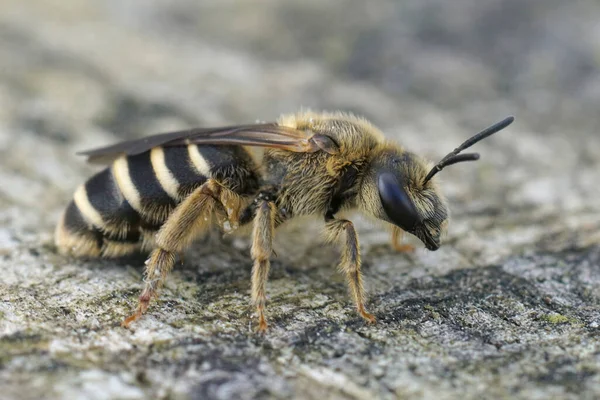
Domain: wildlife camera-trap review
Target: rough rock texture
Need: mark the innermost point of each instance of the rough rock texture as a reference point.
(508, 308)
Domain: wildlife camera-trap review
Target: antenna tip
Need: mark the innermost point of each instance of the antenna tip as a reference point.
(499, 126)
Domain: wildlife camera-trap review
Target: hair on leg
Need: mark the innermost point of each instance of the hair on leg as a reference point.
(157, 268)
(350, 261)
(262, 247)
(190, 219)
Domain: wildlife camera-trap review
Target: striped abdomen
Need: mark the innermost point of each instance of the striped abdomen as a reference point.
(118, 210)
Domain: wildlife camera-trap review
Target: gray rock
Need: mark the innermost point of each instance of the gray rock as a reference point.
(508, 308)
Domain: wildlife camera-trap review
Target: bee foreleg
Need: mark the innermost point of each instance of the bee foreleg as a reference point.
(397, 236)
(187, 221)
(350, 261)
(262, 247)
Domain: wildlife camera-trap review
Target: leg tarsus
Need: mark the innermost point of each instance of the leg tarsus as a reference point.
(262, 321)
(158, 267)
(370, 318)
(397, 235)
(404, 248)
(132, 318)
(350, 262)
(143, 303)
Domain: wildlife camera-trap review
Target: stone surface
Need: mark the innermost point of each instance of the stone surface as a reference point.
(508, 308)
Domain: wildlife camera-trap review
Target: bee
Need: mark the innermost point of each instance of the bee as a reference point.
(160, 193)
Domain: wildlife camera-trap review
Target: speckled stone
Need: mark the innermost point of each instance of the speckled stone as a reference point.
(507, 308)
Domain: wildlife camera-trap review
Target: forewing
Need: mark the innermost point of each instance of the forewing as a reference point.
(263, 135)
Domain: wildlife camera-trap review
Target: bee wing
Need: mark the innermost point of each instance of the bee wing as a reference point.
(263, 135)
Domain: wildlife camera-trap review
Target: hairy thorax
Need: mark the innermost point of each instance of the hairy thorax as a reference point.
(306, 182)
(302, 181)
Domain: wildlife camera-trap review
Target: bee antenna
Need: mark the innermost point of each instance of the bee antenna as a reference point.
(454, 157)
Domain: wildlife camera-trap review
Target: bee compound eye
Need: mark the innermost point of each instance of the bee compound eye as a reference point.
(396, 203)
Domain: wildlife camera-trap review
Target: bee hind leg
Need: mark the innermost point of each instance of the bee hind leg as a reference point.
(187, 222)
(397, 236)
(350, 262)
(158, 267)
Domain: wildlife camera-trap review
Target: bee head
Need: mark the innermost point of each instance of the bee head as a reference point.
(395, 191)
(399, 189)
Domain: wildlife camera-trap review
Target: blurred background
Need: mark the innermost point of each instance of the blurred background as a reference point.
(78, 74)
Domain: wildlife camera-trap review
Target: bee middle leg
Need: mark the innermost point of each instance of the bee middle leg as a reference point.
(350, 262)
(397, 236)
(262, 247)
(187, 222)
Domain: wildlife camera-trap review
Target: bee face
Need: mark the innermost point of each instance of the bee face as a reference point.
(404, 200)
